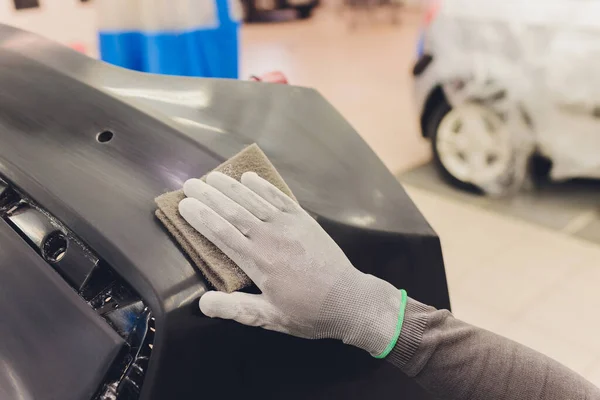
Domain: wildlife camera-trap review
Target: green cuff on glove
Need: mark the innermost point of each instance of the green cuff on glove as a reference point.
(392, 343)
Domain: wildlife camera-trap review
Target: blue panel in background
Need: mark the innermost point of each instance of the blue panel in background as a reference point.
(123, 49)
(207, 52)
(421, 44)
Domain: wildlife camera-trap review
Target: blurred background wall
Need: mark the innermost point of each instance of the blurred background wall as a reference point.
(71, 22)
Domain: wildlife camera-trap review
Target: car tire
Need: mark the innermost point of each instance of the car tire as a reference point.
(433, 121)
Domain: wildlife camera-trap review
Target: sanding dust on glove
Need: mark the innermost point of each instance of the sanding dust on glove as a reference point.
(218, 269)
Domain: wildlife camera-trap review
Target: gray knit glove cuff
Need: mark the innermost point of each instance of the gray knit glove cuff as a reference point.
(364, 311)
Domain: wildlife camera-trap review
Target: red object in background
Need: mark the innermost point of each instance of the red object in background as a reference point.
(272, 77)
(80, 47)
(432, 11)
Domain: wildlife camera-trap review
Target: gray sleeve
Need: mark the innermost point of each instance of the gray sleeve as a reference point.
(454, 360)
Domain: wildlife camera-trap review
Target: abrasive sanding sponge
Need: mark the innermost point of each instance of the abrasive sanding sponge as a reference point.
(218, 269)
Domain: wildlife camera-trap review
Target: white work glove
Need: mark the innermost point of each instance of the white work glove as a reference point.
(309, 287)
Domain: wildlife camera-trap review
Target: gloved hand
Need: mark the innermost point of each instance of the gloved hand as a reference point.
(309, 287)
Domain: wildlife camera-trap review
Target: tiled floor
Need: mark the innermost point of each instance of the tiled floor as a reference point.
(533, 285)
(536, 286)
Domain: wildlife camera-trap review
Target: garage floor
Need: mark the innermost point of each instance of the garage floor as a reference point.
(572, 208)
(507, 274)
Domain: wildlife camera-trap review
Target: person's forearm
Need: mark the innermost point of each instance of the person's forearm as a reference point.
(454, 360)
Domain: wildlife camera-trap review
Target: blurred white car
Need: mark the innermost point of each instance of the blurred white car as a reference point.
(499, 81)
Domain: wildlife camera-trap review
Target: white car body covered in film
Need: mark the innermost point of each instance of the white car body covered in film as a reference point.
(543, 56)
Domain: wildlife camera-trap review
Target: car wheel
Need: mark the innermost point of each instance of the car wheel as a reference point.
(471, 146)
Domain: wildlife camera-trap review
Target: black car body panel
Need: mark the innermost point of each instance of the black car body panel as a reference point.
(53, 104)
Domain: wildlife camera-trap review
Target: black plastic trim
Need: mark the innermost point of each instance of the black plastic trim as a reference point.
(95, 282)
